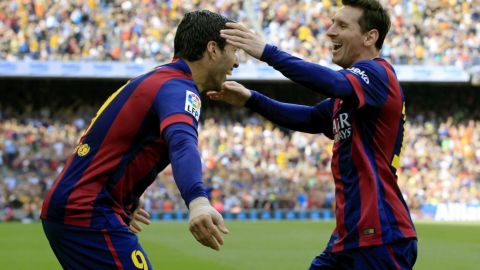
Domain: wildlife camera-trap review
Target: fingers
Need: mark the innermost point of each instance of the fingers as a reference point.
(236, 38)
(214, 95)
(241, 37)
(220, 95)
(223, 229)
(218, 221)
(205, 231)
(240, 45)
(218, 238)
(235, 35)
(143, 216)
(238, 26)
(238, 35)
(140, 215)
(229, 84)
(134, 227)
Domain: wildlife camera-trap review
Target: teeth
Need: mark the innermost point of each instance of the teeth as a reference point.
(336, 46)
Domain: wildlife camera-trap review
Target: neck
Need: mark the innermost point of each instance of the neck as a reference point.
(369, 54)
(199, 73)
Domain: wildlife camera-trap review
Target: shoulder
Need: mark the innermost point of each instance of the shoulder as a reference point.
(370, 70)
(162, 77)
(179, 91)
(174, 82)
(363, 69)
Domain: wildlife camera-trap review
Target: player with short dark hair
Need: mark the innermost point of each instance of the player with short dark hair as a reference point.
(364, 116)
(147, 124)
(194, 33)
(374, 16)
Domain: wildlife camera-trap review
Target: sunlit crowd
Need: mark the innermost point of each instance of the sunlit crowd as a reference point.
(423, 32)
(249, 163)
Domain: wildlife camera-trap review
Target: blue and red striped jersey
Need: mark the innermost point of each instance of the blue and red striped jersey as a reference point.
(370, 208)
(126, 146)
(365, 117)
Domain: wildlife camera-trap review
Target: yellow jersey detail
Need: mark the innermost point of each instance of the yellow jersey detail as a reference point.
(83, 150)
(396, 161)
(104, 106)
(138, 260)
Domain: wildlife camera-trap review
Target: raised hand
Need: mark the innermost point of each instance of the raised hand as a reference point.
(241, 37)
(232, 93)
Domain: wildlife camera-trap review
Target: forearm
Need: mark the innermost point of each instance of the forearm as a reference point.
(315, 77)
(186, 164)
(292, 116)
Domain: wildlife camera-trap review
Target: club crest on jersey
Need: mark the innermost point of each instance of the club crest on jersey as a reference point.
(83, 150)
(193, 104)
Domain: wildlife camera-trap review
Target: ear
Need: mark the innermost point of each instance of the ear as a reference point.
(212, 49)
(370, 38)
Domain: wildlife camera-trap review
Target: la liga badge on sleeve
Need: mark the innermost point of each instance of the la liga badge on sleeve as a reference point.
(193, 104)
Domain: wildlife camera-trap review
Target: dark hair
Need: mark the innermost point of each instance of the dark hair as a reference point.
(196, 29)
(374, 17)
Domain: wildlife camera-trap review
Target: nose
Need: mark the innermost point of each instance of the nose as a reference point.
(331, 31)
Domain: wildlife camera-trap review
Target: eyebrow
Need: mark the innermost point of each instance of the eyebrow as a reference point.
(339, 20)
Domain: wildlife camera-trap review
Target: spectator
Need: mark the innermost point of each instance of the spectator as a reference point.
(424, 33)
(249, 163)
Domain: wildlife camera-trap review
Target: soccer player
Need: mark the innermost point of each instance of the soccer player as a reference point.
(364, 116)
(144, 126)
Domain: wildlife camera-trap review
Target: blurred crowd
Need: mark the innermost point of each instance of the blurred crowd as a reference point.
(442, 32)
(249, 163)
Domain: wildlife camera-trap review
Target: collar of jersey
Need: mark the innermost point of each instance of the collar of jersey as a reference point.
(180, 64)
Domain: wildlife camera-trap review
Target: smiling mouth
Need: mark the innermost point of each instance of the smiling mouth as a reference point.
(336, 47)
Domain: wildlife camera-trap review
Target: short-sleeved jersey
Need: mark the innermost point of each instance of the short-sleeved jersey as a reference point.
(368, 135)
(123, 149)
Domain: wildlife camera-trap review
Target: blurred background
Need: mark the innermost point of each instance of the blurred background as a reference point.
(59, 60)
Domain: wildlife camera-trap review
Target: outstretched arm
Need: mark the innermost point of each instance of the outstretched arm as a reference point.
(311, 119)
(313, 76)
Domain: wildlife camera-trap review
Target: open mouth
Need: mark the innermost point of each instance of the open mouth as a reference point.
(336, 46)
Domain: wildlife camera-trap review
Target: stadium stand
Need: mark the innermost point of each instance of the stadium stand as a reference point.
(423, 32)
(251, 165)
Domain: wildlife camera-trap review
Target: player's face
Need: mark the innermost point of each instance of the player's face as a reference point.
(346, 35)
(224, 64)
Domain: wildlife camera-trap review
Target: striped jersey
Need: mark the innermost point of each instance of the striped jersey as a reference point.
(365, 118)
(370, 209)
(124, 148)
